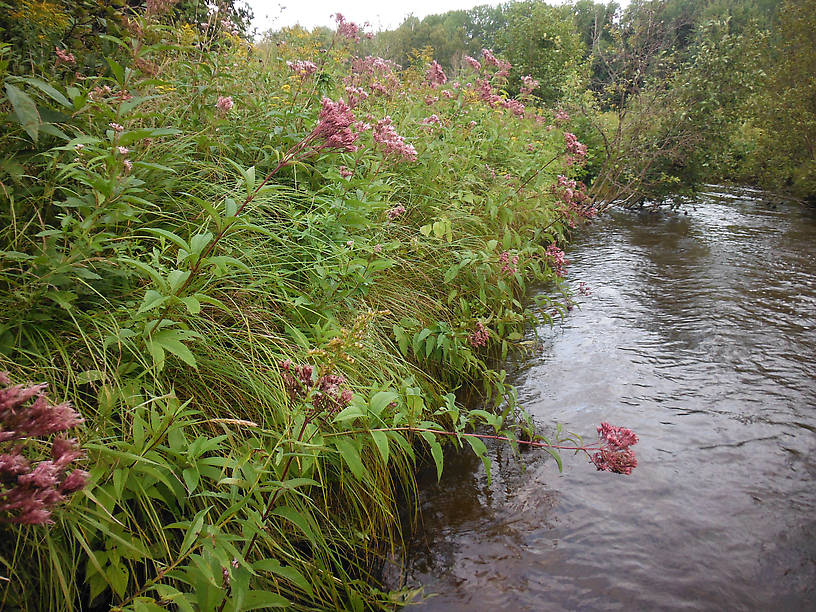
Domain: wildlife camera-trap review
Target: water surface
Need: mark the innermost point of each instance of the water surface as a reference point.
(699, 334)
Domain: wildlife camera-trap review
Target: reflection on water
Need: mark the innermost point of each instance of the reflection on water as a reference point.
(699, 334)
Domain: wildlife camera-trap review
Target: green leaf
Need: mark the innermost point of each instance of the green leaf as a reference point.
(285, 571)
(192, 304)
(296, 518)
(174, 238)
(50, 91)
(168, 340)
(348, 450)
(193, 530)
(263, 600)
(26, 110)
(380, 400)
(381, 440)
(481, 451)
(152, 299)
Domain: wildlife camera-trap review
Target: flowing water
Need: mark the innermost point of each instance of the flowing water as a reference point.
(700, 335)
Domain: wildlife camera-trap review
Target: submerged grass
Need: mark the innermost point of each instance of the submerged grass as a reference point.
(243, 371)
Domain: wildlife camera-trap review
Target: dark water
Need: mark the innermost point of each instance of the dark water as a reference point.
(699, 334)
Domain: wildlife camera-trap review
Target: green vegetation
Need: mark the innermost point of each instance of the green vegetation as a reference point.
(251, 293)
(266, 275)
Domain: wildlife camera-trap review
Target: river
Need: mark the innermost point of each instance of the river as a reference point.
(700, 335)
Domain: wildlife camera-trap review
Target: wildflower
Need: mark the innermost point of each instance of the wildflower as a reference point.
(432, 120)
(615, 455)
(303, 69)
(430, 100)
(473, 63)
(528, 85)
(396, 212)
(561, 116)
(507, 267)
(224, 104)
(63, 57)
(28, 493)
(345, 172)
(576, 152)
(584, 289)
(158, 7)
(123, 150)
(391, 142)
(377, 248)
(480, 336)
(489, 58)
(350, 244)
(334, 126)
(128, 166)
(356, 95)
(472, 124)
(116, 127)
(559, 260)
(515, 106)
(447, 93)
(78, 147)
(99, 92)
(347, 29)
(435, 75)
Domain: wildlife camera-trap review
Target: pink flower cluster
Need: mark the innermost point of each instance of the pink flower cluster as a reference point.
(615, 455)
(432, 120)
(507, 267)
(375, 73)
(28, 493)
(325, 392)
(356, 95)
(515, 106)
(576, 152)
(561, 116)
(63, 57)
(528, 84)
(480, 336)
(334, 126)
(347, 29)
(304, 69)
(224, 104)
(489, 58)
(447, 93)
(573, 195)
(431, 100)
(158, 7)
(559, 260)
(396, 212)
(473, 63)
(584, 289)
(345, 172)
(435, 75)
(391, 143)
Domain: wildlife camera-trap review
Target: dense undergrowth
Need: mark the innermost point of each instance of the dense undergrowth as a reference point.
(251, 293)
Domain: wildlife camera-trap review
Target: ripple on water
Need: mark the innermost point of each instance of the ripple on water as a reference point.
(700, 334)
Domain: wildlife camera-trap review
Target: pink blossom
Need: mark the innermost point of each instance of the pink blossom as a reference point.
(507, 267)
(489, 58)
(480, 336)
(435, 75)
(116, 127)
(472, 124)
(224, 104)
(515, 106)
(334, 126)
(28, 493)
(559, 260)
(430, 100)
(377, 248)
(619, 462)
(576, 152)
(561, 116)
(302, 68)
(432, 120)
(528, 85)
(617, 438)
(356, 95)
(391, 143)
(63, 57)
(447, 93)
(473, 63)
(123, 150)
(396, 212)
(128, 166)
(345, 172)
(347, 29)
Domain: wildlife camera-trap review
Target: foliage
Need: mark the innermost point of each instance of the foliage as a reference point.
(261, 314)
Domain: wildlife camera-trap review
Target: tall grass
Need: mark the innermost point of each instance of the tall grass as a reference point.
(162, 290)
